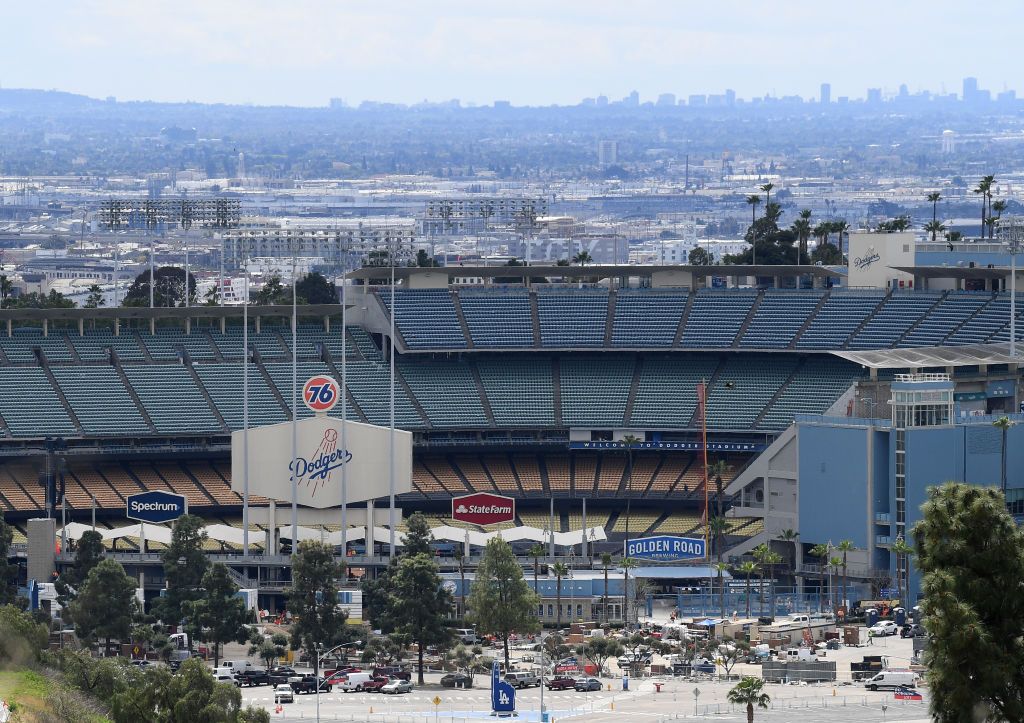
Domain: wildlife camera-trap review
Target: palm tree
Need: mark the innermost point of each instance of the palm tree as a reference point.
(748, 568)
(789, 535)
(460, 558)
(822, 551)
(761, 553)
(934, 227)
(1003, 424)
(844, 547)
(628, 563)
(749, 692)
(536, 551)
(606, 562)
(834, 563)
(754, 202)
(560, 571)
(933, 199)
(771, 560)
(802, 228)
(718, 470)
(984, 189)
(767, 188)
(997, 207)
(900, 548)
(716, 529)
(582, 258)
(840, 227)
(821, 232)
(721, 568)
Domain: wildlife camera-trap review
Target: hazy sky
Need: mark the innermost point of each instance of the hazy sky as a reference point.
(303, 52)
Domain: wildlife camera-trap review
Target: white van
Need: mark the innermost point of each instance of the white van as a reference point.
(892, 679)
(355, 682)
(237, 666)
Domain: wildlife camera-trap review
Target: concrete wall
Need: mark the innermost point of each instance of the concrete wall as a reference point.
(833, 494)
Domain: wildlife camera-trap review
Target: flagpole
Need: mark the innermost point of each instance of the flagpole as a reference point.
(704, 434)
(344, 410)
(295, 414)
(245, 412)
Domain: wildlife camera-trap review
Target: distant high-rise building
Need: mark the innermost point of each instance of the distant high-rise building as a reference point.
(697, 100)
(607, 152)
(874, 95)
(602, 100)
(730, 97)
(632, 100)
(667, 99)
(241, 165)
(826, 93)
(970, 92)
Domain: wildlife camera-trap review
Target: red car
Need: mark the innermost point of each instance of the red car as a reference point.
(374, 686)
(392, 671)
(560, 682)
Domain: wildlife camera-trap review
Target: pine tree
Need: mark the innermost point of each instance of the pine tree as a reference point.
(87, 555)
(106, 604)
(313, 599)
(8, 572)
(971, 555)
(500, 601)
(419, 605)
(185, 563)
(219, 615)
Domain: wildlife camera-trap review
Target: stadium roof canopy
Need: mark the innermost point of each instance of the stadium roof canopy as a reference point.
(403, 273)
(956, 272)
(932, 356)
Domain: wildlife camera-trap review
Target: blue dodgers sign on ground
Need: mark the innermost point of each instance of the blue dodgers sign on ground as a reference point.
(503, 695)
(665, 548)
(155, 506)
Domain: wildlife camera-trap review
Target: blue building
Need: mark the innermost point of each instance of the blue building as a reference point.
(864, 478)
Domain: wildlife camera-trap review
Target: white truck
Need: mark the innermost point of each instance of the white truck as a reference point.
(892, 679)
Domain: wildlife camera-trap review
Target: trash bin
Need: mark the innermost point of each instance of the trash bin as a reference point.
(872, 616)
(625, 682)
(657, 687)
(901, 616)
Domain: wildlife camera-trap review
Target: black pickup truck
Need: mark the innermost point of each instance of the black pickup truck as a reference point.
(280, 674)
(251, 678)
(307, 684)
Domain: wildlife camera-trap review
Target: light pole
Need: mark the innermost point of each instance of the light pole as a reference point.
(320, 655)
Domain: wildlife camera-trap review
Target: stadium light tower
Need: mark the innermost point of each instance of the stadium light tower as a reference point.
(1013, 232)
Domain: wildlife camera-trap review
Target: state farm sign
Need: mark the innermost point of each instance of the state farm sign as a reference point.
(483, 508)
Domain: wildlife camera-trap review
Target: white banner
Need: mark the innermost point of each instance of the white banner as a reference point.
(320, 459)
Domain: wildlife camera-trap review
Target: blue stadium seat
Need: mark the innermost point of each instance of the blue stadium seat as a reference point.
(647, 318)
(426, 318)
(572, 318)
(716, 317)
(519, 389)
(839, 317)
(778, 318)
(498, 318)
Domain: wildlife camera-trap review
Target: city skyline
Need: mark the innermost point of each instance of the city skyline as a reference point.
(401, 52)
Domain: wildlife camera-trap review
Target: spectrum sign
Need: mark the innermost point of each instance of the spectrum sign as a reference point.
(155, 506)
(483, 508)
(666, 548)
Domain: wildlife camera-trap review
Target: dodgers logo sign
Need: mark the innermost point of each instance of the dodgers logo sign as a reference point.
(316, 470)
(503, 695)
(155, 506)
(483, 508)
(665, 548)
(321, 393)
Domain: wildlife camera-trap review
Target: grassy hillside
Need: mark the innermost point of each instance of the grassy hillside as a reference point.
(35, 698)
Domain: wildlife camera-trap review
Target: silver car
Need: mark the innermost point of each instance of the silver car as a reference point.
(396, 685)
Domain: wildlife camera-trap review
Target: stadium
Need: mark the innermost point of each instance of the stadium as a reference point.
(573, 391)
